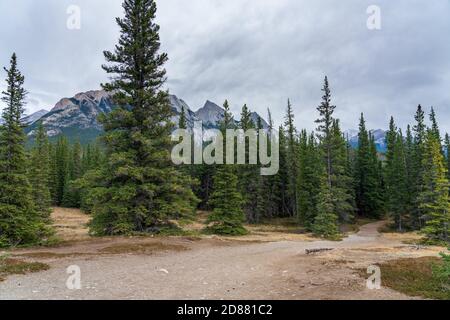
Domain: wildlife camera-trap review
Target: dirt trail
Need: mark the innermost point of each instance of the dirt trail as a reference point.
(212, 268)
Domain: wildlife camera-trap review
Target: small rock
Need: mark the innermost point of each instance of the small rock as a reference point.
(164, 271)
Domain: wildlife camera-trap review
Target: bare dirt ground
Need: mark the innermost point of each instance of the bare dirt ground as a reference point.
(267, 264)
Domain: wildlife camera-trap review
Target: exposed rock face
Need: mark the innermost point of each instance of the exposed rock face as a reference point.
(177, 107)
(32, 118)
(76, 117)
(78, 113)
(211, 114)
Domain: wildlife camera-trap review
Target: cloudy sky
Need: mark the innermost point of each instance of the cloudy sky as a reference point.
(259, 52)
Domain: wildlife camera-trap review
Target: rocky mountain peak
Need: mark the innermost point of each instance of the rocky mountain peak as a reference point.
(76, 117)
(211, 114)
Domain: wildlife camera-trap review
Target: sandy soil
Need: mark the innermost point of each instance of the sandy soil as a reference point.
(207, 268)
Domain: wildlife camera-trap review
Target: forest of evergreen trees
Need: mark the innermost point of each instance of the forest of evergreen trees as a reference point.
(129, 185)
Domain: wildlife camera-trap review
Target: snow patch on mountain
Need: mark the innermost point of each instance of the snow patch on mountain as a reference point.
(378, 134)
(32, 118)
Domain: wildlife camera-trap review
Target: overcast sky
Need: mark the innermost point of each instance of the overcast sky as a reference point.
(259, 52)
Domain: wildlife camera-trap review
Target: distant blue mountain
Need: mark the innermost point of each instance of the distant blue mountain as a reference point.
(379, 135)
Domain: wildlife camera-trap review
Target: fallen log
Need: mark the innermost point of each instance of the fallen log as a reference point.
(311, 251)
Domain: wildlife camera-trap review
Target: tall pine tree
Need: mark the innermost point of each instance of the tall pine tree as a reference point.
(447, 153)
(396, 185)
(326, 221)
(419, 132)
(20, 222)
(326, 110)
(434, 126)
(61, 168)
(310, 166)
(72, 197)
(434, 196)
(369, 194)
(292, 161)
(249, 179)
(139, 189)
(40, 172)
(227, 202)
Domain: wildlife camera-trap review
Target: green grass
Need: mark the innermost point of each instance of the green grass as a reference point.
(416, 278)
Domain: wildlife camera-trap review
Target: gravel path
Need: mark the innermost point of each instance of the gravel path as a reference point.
(181, 268)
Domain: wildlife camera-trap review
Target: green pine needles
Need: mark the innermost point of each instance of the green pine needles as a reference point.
(139, 189)
(22, 220)
(226, 200)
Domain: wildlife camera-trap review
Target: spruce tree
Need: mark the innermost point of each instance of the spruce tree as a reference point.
(61, 169)
(304, 197)
(292, 161)
(326, 221)
(272, 199)
(434, 126)
(409, 156)
(139, 189)
(397, 189)
(52, 173)
(40, 172)
(20, 222)
(334, 152)
(419, 132)
(227, 202)
(182, 123)
(263, 183)
(447, 154)
(326, 110)
(227, 217)
(248, 174)
(342, 187)
(434, 197)
(72, 197)
(309, 178)
(368, 174)
(281, 181)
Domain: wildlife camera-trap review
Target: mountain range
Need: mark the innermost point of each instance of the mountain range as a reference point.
(32, 118)
(76, 118)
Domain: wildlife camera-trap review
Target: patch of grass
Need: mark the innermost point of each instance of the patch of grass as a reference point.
(10, 266)
(278, 225)
(432, 242)
(177, 232)
(282, 222)
(141, 248)
(51, 255)
(225, 230)
(336, 238)
(415, 277)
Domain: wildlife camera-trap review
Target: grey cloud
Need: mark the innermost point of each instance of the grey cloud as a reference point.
(258, 52)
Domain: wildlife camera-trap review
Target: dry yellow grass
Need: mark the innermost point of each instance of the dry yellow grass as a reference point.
(70, 224)
(406, 237)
